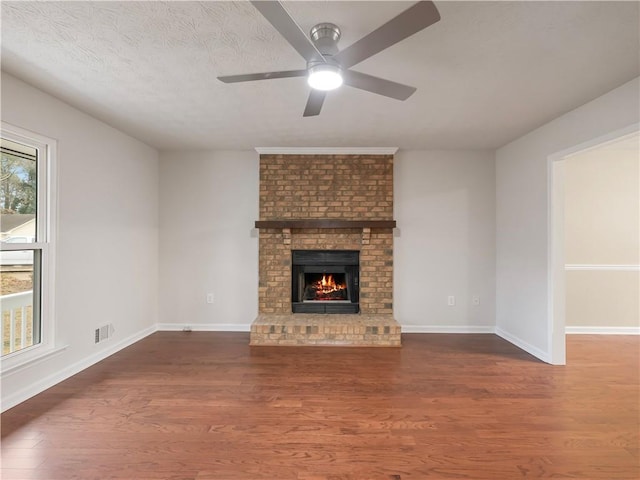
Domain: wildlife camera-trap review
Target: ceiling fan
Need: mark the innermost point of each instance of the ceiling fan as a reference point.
(328, 67)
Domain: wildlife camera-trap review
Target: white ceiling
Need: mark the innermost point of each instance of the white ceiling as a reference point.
(487, 73)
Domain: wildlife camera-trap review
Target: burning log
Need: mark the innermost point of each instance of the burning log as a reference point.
(325, 289)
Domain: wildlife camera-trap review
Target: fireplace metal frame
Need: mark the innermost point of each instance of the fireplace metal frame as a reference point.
(325, 261)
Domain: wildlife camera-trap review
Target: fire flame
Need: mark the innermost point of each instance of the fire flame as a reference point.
(328, 285)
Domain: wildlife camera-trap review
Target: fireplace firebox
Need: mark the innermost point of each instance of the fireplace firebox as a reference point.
(325, 281)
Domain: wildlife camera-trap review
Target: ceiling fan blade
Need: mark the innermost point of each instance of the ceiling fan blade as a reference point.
(314, 104)
(249, 77)
(377, 85)
(277, 16)
(412, 20)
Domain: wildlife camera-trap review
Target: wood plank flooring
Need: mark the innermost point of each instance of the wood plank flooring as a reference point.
(205, 405)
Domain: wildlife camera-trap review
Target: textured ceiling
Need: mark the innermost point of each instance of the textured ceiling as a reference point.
(487, 73)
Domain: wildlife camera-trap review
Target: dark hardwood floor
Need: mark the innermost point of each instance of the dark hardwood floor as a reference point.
(207, 406)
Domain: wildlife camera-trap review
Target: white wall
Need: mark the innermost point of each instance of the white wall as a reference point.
(107, 244)
(523, 306)
(444, 205)
(208, 206)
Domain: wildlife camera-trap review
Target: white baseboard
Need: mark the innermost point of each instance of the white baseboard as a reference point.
(602, 330)
(41, 385)
(448, 329)
(207, 327)
(527, 347)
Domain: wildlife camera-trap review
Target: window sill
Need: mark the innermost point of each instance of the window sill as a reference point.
(27, 359)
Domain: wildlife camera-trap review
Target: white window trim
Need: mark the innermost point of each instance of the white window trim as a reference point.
(47, 215)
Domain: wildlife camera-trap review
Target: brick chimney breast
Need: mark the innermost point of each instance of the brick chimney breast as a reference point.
(326, 187)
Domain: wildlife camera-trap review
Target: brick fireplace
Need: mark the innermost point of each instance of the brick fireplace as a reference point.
(317, 206)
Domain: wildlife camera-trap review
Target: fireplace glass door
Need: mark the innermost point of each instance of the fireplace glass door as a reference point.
(325, 281)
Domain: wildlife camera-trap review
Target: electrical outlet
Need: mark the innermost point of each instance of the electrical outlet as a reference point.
(451, 300)
(211, 298)
(475, 300)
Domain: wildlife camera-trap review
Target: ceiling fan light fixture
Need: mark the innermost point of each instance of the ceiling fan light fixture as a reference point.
(324, 77)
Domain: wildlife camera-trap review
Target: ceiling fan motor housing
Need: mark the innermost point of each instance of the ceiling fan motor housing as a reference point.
(325, 37)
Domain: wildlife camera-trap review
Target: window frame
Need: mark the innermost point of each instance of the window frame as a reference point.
(46, 213)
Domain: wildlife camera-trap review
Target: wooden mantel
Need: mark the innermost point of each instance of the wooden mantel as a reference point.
(325, 223)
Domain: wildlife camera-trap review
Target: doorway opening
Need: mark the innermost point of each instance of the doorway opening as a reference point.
(557, 237)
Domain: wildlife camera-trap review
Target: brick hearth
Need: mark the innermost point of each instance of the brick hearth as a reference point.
(326, 187)
(312, 329)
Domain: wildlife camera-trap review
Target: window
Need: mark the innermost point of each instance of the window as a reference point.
(26, 248)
